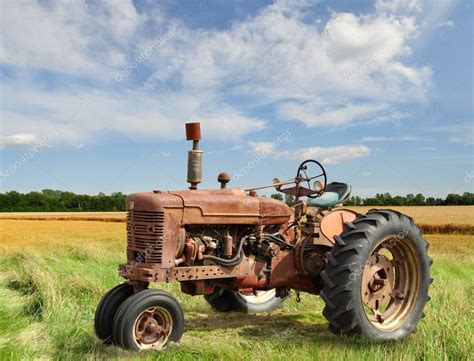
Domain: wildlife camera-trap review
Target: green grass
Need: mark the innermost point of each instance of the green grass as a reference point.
(48, 299)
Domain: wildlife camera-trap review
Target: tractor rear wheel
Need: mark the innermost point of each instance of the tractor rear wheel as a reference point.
(377, 278)
(227, 300)
(108, 306)
(149, 320)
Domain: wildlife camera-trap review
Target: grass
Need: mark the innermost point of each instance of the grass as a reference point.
(53, 274)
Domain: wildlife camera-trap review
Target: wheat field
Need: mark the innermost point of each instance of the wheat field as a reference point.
(423, 215)
(54, 272)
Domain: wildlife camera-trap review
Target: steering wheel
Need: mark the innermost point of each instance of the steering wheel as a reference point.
(304, 174)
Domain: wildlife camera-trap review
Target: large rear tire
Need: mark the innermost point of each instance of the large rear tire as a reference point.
(105, 312)
(227, 300)
(377, 278)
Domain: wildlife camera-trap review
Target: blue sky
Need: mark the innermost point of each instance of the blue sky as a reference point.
(94, 95)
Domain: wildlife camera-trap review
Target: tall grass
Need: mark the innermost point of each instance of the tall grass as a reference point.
(48, 297)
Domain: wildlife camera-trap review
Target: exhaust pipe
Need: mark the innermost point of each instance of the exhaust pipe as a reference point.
(193, 132)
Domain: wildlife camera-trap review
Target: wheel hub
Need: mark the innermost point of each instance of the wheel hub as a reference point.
(389, 283)
(153, 327)
(377, 282)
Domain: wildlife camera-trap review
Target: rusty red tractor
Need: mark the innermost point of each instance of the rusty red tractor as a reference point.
(245, 252)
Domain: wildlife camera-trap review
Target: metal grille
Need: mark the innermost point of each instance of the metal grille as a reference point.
(145, 236)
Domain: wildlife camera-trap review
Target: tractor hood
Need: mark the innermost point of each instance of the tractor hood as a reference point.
(217, 206)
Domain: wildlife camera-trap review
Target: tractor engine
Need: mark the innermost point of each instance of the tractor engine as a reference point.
(170, 229)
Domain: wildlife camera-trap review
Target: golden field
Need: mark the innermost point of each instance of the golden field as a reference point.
(442, 220)
(66, 216)
(422, 215)
(458, 215)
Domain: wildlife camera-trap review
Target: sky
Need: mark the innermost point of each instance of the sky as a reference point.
(94, 95)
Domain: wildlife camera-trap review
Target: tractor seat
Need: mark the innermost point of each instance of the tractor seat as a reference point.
(335, 193)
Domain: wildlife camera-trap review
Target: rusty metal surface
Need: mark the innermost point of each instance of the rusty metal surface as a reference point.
(332, 224)
(390, 283)
(153, 327)
(223, 178)
(231, 206)
(193, 131)
(248, 267)
(284, 273)
(153, 228)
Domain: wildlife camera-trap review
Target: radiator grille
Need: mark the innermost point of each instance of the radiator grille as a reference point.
(145, 236)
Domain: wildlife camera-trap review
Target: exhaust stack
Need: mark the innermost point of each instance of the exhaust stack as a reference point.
(193, 132)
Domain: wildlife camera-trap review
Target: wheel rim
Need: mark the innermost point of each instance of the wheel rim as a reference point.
(390, 283)
(258, 297)
(153, 328)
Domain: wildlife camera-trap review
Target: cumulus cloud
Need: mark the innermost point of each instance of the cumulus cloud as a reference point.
(349, 69)
(81, 116)
(68, 36)
(19, 139)
(327, 155)
(321, 114)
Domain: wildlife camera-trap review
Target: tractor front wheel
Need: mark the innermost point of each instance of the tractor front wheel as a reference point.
(149, 320)
(108, 306)
(377, 278)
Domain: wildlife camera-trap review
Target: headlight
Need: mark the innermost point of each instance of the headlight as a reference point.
(318, 186)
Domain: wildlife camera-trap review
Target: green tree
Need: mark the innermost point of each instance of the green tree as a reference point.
(419, 200)
(290, 200)
(277, 196)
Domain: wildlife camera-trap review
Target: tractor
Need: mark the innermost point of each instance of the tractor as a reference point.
(245, 253)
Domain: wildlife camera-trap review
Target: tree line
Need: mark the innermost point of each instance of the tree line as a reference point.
(386, 199)
(49, 200)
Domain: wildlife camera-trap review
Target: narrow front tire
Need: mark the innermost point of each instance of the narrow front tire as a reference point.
(149, 320)
(106, 310)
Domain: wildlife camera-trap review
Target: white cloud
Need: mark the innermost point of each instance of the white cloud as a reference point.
(328, 155)
(321, 114)
(79, 117)
(67, 37)
(399, 6)
(265, 148)
(407, 138)
(19, 139)
(466, 139)
(276, 57)
(462, 133)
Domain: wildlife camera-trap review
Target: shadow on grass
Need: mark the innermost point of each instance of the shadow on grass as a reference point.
(34, 303)
(295, 328)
